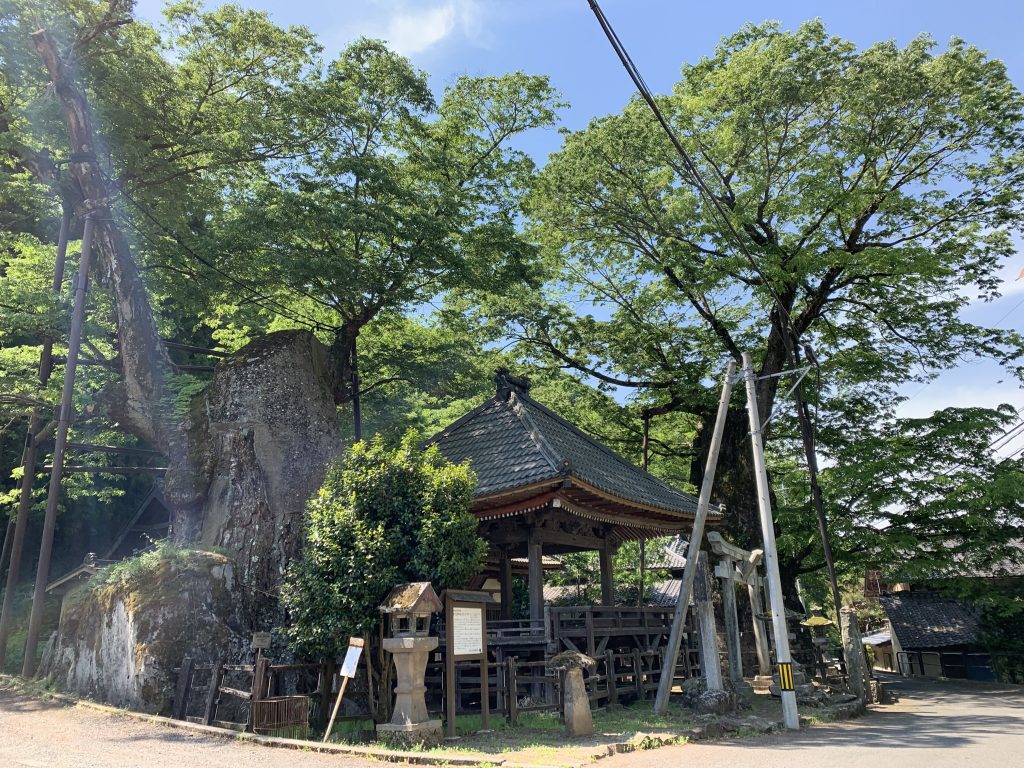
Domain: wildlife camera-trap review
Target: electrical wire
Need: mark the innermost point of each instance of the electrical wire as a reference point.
(695, 176)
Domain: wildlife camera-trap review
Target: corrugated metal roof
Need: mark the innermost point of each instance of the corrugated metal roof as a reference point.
(513, 441)
(878, 638)
(929, 620)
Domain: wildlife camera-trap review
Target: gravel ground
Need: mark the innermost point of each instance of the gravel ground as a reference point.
(46, 734)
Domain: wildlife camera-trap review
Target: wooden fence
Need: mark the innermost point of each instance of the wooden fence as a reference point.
(262, 696)
(519, 685)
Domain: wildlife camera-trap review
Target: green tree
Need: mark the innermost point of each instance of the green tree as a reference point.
(383, 517)
(395, 199)
(877, 191)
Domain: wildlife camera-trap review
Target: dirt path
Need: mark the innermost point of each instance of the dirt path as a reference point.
(44, 734)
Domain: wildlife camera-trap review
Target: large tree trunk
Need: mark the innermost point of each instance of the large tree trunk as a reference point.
(255, 444)
(258, 442)
(141, 401)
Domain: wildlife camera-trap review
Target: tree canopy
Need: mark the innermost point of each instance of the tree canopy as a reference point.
(261, 187)
(876, 190)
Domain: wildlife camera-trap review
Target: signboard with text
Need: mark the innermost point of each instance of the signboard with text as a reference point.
(351, 662)
(467, 631)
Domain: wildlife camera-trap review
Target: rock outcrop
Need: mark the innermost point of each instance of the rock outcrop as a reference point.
(122, 634)
(259, 439)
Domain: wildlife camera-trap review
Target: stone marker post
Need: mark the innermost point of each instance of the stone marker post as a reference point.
(856, 661)
(579, 721)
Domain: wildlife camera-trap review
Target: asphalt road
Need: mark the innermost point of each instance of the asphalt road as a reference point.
(933, 725)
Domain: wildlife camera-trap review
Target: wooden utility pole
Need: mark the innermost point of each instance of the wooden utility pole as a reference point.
(645, 451)
(693, 549)
(811, 453)
(64, 418)
(28, 464)
(771, 556)
(357, 409)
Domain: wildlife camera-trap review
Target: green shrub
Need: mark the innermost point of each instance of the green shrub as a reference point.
(382, 517)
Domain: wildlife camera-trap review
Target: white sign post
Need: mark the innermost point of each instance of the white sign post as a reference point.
(348, 671)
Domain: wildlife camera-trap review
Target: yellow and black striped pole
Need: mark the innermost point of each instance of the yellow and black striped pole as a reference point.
(786, 676)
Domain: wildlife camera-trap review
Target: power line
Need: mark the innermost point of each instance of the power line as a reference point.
(787, 329)
(695, 176)
(1007, 436)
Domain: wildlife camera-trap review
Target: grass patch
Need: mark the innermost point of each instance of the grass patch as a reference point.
(539, 737)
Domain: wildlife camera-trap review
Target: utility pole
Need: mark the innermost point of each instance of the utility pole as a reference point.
(645, 444)
(675, 637)
(28, 464)
(64, 418)
(783, 658)
(357, 409)
(811, 453)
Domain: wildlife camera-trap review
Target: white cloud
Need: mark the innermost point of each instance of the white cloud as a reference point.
(412, 27)
(411, 33)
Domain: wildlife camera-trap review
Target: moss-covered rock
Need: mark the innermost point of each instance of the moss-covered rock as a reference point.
(123, 633)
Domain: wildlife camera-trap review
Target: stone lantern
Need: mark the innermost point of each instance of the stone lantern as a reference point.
(409, 608)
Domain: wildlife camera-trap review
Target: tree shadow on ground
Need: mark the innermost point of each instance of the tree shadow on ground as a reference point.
(929, 715)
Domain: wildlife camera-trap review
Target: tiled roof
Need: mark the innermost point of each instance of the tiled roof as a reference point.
(666, 593)
(564, 594)
(666, 558)
(512, 441)
(929, 620)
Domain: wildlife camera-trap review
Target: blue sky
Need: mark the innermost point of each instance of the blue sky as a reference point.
(560, 38)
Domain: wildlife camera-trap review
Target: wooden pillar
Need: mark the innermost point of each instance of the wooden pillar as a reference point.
(536, 577)
(505, 578)
(607, 574)
(764, 659)
(709, 663)
(726, 571)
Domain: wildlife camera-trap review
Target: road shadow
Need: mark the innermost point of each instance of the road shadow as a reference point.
(13, 701)
(929, 714)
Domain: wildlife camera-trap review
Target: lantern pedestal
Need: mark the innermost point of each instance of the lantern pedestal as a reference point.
(410, 722)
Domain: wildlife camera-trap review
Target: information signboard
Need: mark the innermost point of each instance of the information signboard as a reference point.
(467, 631)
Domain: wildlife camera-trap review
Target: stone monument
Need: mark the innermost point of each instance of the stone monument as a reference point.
(579, 721)
(410, 607)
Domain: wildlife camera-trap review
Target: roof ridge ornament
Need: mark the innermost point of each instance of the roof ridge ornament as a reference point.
(507, 383)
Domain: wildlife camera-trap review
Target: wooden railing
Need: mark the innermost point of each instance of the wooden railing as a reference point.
(506, 631)
(592, 629)
(519, 685)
